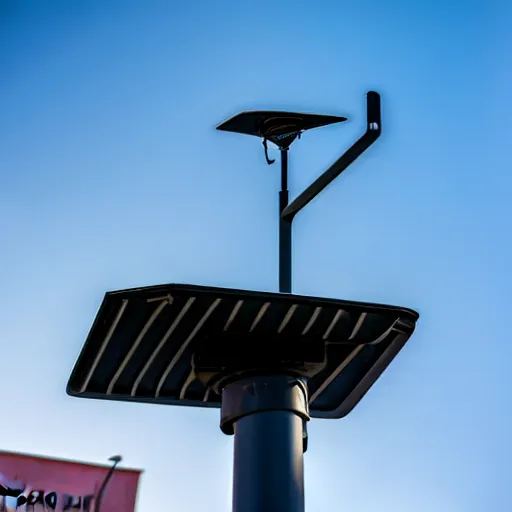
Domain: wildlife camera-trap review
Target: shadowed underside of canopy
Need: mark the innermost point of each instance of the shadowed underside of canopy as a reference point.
(144, 341)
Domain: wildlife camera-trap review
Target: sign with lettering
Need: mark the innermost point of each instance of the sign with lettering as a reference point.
(42, 484)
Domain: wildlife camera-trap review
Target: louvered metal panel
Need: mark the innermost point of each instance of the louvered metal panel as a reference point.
(142, 343)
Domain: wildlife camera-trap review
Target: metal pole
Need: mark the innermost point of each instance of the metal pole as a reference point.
(116, 459)
(285, 231)
(267, 415)
(285, 247)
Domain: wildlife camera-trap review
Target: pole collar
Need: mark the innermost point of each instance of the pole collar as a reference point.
(263, 393)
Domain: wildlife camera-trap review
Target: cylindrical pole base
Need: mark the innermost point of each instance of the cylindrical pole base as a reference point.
(268, 466)
(267, 414)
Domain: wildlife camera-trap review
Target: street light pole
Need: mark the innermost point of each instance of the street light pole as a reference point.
(116, 459)
(270, 361)
(269, 413)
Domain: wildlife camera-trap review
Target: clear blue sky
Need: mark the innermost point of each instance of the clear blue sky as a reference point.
(112, 176)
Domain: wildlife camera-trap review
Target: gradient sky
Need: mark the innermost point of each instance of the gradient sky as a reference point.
(112, 176)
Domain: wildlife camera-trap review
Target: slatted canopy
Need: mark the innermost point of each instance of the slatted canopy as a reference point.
(143, 341)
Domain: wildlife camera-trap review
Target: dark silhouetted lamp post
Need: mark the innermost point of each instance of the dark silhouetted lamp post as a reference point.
(115, 459)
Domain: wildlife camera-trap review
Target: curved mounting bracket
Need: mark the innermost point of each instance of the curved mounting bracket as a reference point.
(373, 130)
(269, 160)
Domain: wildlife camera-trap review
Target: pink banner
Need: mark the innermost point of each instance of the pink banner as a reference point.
(37, 484)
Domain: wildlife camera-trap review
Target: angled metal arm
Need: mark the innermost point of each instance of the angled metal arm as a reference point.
(373, 130)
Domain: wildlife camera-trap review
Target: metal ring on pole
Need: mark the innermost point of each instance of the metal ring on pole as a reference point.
(252, 395)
